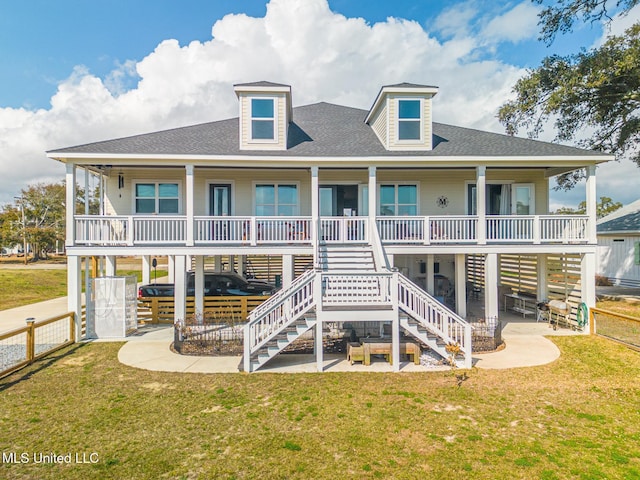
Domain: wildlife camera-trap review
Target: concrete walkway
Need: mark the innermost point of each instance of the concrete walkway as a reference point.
(525, 342)
(525, 346)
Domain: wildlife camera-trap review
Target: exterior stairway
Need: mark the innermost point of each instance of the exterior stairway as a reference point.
(350, 258)
(347, 286)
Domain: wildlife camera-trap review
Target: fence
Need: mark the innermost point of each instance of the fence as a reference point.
(486, 335)
(161, 309)
(616, 326)
(23, 346)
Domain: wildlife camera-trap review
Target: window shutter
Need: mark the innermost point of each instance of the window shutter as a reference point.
(637, 253)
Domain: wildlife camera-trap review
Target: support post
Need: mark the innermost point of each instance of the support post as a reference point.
(146, 269)
(481, 203)
(588, 279)
(70, 205)
(491, 286)
(287, 270)
(111, 267)
(318, 346)
(591, 204)
(190, 204)
(180, 290)
(430, 275)
(373, 195)
(74, 298)
(395, 324)
(171, 268)
(461, 285)
(199, 287)
(542, 277)
(315, 213)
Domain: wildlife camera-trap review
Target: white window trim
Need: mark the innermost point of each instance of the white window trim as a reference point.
(276, 122)
(156, 182)
(221, 182)
(396, 184)
(398, 120)
(275, 184)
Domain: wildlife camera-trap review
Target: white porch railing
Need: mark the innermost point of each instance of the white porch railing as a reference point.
(159, 229)
(109, 230)
(344, 229)
(352, 290)
(434, 316)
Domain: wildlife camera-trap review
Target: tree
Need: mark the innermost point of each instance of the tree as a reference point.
(603, 208)
(44, 217)
(596, 91)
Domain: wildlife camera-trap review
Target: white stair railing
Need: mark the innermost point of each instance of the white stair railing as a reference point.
(434, 316)
(280, 311)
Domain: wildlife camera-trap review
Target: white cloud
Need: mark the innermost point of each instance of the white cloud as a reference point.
(519, 23)
(323, 55)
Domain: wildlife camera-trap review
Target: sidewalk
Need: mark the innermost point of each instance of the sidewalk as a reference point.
(15, 317)
(525, 346)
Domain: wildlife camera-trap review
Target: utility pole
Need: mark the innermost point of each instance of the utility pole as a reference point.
(24, 228)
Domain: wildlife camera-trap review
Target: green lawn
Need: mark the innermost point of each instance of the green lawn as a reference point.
(30, 285)
(576, 418)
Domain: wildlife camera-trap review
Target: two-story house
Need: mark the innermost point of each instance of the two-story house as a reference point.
(393, 215)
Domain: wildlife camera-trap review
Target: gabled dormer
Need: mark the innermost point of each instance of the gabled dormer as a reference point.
(265, 113)
(401, 116)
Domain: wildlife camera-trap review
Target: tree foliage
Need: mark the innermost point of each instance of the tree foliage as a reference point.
(561, 16)
(595, 91)
(603, 208)
(43, 222)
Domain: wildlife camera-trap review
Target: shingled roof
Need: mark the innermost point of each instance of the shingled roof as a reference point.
(324, 130)
(626, 219)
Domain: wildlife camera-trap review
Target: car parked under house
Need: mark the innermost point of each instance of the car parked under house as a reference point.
(381, 203)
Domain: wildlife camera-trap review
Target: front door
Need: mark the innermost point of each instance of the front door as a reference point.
(220, 199)
(338, 200)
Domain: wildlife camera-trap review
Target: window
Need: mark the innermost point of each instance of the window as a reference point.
(398, 200)
(276, 200)
(409, 120)
(156, 197)
(262, 119)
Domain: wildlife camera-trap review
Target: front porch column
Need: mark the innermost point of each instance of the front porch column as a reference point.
(588, 279)
(70, 205)
(74, 291)
(591, 204)
(481, 204)
(199, 287)
(373, 195)
(111, 266)
(180, 288)
(146, 269)
(287, 270)
(430, 274)
(189, 204)
(542, 277)
(491, 309)
(461, 285)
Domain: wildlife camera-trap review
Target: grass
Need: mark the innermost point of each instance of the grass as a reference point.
(30, 285)
(25, 286)
(575, 418)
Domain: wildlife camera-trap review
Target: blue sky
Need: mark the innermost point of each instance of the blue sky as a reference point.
(76, 71)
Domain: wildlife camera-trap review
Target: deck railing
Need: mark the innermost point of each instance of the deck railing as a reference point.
(112, 230)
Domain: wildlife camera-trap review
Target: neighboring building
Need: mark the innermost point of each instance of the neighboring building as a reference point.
(377, 205)
(619, 246)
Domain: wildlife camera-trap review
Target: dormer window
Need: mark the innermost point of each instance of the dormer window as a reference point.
(409, 120)
(263, 119)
